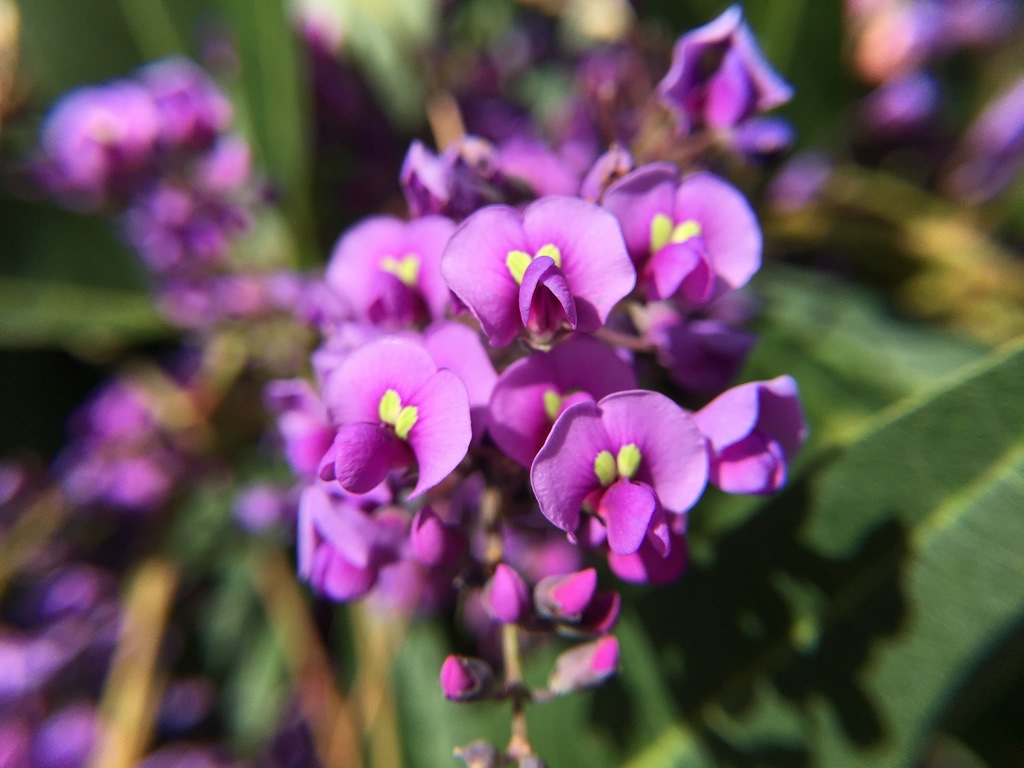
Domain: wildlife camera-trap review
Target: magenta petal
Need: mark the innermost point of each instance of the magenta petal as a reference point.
(562, 474)
(364, 454)
(730, 93)
(647, 566)
(474, 267)
(636, 199)
(354, 391)
(729, 227)
(753, 465)
(681, 267)
(339, 579)
(441, 435)
(458, 348)
(427, 237)
(518, 421)
(594, 257)
(432, 542)
(506, 596)
(544, 297)
(628, 508)
(674, 457)
(566, 597)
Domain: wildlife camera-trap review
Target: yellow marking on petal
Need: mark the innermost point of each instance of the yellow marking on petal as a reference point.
(628, 460)
(661, 232)
(685, 230)
(553, 251)
(390, 407)
(552, 404)
(406, 420)
(517, 262)
(604, 468)
(406, 269)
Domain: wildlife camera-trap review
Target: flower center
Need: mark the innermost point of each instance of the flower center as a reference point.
(552, 404)
(518, 261)
(610, 468)
(406, 269)
(401, 418)
(665, 231)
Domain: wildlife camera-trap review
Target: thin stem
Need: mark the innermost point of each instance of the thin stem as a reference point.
(519, 742)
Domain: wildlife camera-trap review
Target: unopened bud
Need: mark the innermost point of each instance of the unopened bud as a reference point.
(433, 543)
(479, 754)
(466, 679)
(565, 598)
(600, 616)
(585, 665)
(506, 595)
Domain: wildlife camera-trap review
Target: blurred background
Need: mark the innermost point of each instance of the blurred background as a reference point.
(870, 614)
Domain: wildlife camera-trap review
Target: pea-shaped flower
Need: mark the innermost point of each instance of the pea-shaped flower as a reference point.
(561, 263)
(396, 409)
(694, 239)
(632, 457)
(753, 432)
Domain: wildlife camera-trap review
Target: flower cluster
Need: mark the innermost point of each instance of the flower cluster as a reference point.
(157, 151)
(496, 394)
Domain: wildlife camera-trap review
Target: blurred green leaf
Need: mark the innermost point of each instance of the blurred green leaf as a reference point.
(840, 623)
(275, 92)
(75, 317)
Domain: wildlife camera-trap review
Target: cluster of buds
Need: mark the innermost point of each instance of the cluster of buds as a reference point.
(496, 390)
(157, 151)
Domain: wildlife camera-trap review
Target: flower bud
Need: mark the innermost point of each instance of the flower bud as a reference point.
(466, 679)
(506, 596)
(585, 665)
(565, 597)
(479, 754)
(602, 613)
(433, 543)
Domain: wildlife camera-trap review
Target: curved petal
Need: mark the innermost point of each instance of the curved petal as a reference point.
(646, 565)
(352, 270)
(518, 420)
(730, 93)
(755, 464)
(473, 266)
(440, 437)
(682, 268)
(427, 238)
(595, 262)
(354, 391)
(364, 454)
(459, 348)
(563, 474)
(544, 298)
(674, 459)
(729, 227)
(636, 199)
(627, 508)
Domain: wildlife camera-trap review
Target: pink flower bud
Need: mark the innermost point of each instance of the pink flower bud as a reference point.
(433, 543)
(465, 679)
(565, 597)
(585, 665)
(506, 595)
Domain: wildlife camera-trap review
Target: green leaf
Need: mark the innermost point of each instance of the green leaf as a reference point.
(274, 102)
(845, 620)
(75, 317)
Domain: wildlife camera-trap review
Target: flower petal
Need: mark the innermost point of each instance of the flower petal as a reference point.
(364, 454)
(674, 458)
(544, 297)
(636, 199)
(442, 432)
(562, 474)
(628, 508)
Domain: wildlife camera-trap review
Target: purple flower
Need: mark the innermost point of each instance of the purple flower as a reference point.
(532, 392)
(192, 110)
(464, 678)
(902, 107)
(631, 457)
(753, 432)
(395, 408)
(612, 165)
(98, 141)
(341, 548)
(991, 154)
(718, 76)
(696, 239)
(459, 349)
(302, 422)
(585, 665)
(560, 263)
(700, 355)
(433, 542)
(455, 182)
(388, 270)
